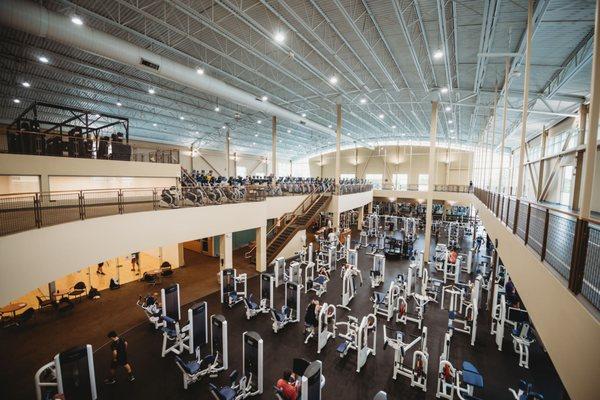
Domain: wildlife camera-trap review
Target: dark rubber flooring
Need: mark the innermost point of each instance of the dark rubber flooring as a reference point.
(159, 378)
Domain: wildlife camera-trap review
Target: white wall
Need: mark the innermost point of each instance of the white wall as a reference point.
(349, 201)
(12, 184)
(453, 166)
(66, 183)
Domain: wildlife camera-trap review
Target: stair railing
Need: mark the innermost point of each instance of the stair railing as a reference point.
(298, 211)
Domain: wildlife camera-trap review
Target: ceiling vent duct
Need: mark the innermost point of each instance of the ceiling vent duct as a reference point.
(149, 64)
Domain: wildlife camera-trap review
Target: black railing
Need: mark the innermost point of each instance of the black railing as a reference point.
(566, 243)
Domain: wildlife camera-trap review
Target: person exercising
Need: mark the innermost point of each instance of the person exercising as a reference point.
(119, 358)
(310, 318)
(452, 256)
(135, 260)
(289, 385)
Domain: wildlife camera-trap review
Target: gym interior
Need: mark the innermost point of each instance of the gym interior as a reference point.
(299, 200)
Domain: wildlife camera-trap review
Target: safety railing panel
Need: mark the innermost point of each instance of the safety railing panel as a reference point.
(510, 219)
(18, 213)
(537, 220)
(57, 208)
(559, 243)
(522, 220)
(591, 276)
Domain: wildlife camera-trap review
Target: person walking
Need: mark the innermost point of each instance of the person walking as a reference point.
(119, 358)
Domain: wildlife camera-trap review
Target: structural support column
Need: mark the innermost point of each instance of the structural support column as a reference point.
(504, 116)
(525, 100)
(429, 210)
(592, 132)
(361, 217)
(338, 144)
(583, 114)
(493, 144)
(181, 252)
(274, 147)
(226, 251)
(261, 248)
(540, 182)
(227, 144)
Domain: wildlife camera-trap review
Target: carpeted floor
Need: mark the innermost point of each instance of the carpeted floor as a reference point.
(25, 350)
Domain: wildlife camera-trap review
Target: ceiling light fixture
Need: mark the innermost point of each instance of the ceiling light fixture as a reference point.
(259, 122)
(381, 116)
(363, 100)
(329, 126)
(217, 108)
(26, 84)
(153, 124)
(265, 98)
(181, 118)
(119, 104)
(223, 127)
(303, 115)
(200, 71)
(444, 90)
(448, 108)
(438, 54)
(256, 135)
(450, 121)
(151, 91)
(279, 37)
(16, 101)
(288, 131)
(77, 21)
(43, 59)
(333, 80)
(393, 126)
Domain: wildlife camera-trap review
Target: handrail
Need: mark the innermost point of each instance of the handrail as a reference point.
(293, 212)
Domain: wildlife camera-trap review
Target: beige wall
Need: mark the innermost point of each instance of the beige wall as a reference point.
(65, 183)
(12, 184)
(453, 166)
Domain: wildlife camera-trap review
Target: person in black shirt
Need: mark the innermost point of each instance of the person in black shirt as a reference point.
(119, 358)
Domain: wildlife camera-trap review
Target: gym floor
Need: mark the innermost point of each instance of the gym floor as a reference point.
(24, 351)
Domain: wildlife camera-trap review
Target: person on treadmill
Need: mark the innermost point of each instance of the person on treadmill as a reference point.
(119, 358)
(289, 385)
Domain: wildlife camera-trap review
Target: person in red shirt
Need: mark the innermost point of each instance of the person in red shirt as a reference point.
(288, 385)
(453, 256)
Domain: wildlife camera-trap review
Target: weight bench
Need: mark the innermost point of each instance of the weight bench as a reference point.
(195, 369)
(343, 348)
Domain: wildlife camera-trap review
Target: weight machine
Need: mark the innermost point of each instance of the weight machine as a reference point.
(327, 325)
(231, 294)
(318, 284)
(417, 371)
(71, 373)
(279, 271)
(449, 378)
(377, 272)
(348, 283)
(356, 337)
(267, 287)
(290, 312)
(386, 304)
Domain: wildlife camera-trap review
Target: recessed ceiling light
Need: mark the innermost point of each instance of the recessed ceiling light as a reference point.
(303, 115)
(17, 101)
(393, 126)
(265, 98)
(363, 100)
(77, 20)
(381, 116)
(153, 124)
(223, 127)
(200, 71)
(217, 109)
(119, 104)
(181, 118)
(279, 37)
(259, 122)
(256, 135)
(288, 131)
(43, 59)
(151, 91)
(333, 80)
(450, 121)
(329, 126)
(448, 109)
(444, 89)
(438, 54)
(26, 84)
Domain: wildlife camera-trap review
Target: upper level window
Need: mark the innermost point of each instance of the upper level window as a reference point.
(423, 182)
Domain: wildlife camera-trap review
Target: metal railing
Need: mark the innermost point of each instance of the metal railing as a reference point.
(21, 212)
(76, 146)
(568, 244)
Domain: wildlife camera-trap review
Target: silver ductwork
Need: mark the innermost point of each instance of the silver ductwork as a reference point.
(36, 20)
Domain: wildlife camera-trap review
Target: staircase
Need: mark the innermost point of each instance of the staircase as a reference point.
(301, 218)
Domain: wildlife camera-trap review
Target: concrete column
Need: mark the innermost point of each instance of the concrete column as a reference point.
(493, 133)
(274, 146)
(226, 251)
(335, 220)
(370, 208)
(484, 148)
(592, 133)
(540, 182)
(504, 115)
(338, 143)
(583, 113)
(261, 248)
(227, 160)
(44, 183)
(385, 180)
(361, 217)
(429, 211)
(181, 254)
(525, 99)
